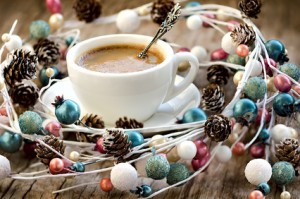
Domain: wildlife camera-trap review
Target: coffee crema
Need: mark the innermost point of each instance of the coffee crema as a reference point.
(121, 58)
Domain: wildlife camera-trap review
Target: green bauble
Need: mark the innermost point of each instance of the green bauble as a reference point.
(235, 59)
(39, 29)
(255, 88)
(178, 172)
(283, 173)
(291, 70)
(30, 122)
(157, 167)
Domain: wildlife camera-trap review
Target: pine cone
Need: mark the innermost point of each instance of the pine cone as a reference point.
(116, 143)
(45, 154)
(251, 8)
(87, 10)
(288, 150)
(93, 121)
(217, 127)
(217, 74)
(243, 34)
(47, 51)
(160, 10)
(213, 98)
(22, 66)
(128, 124)
(24, 95)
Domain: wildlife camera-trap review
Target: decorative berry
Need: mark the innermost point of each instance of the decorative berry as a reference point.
(66, 111)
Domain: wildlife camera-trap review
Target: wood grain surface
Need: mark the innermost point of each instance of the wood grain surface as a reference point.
(279, 19)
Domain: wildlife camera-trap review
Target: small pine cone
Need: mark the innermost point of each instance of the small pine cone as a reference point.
(288, 150)
(45, 154)
(116, 143)
(217, 128)
(243, 34)
(22, 66)
(160, 10)
(24, 95)
(213, 98)
(251, 8)
(87, 10)
(128, 124)
(217, 74)
(47, 51)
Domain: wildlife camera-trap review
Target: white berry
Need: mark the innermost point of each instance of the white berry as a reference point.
(128, 21)
(258, 171)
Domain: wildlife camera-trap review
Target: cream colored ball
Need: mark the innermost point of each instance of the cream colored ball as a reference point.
(279, 132)
(74, 156)
(124, 177)
(258, 171)
(56, 21)
(5, 168)
(228, 44)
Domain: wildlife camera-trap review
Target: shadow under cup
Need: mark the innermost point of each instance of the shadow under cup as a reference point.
(113, 95)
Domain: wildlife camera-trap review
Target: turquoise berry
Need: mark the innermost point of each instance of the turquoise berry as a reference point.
(192, 4)
(297, 105)
(10, 142)
(178, 172)
(78, 167)
(68, 112)
(30, 122)
(264, 188)
(283, 104)
(194, 115)
(135, 137)
(255, 88)
(264, 134)
(275, 49)
(146, 191)
(245, 109)
(157, 167)
(235, 59)
(44, 78)
(39, 29)
(291, 70)
(69, 40)
(283, 173)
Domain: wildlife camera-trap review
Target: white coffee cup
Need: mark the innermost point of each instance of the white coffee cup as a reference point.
(136, 95)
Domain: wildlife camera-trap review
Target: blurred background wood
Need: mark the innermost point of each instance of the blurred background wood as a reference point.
(279, 19)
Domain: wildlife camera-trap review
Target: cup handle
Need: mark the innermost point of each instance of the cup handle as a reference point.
(174, 90)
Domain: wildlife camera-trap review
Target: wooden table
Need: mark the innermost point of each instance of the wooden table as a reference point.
(279, 19)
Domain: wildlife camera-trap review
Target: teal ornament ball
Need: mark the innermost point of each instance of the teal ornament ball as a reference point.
(44, 78)
(157, 167)
(39, 29)
(10, 142)
(146, 191)
(235, 59)
(66, 111)
(283, 173)
(245, 110)
(297, 105)
(264, 135)
(30, 123)
(78, 167)
(275, 49)
(135, 137)
(194, 115)
(255, 88)
(264, 188)
(283, 104)
(291, 70)
(178, 172)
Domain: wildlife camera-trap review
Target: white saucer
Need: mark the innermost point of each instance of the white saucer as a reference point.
(166, 115)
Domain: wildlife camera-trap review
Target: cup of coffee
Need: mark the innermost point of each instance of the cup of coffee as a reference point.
(110, 80)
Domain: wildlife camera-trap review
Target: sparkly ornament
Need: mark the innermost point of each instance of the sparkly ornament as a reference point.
(10, 142)
(282, 83)
(160, 10)
(257, 150)
(135, 137)
(279, 132)
(130, 123)
(243, 34)
(30, 122)
(251, 8)
(5, 168)
(256, 195)
(255, 88)
(276, 51)
(283, 104)
(14, 43)
(124, 177)
(228, 45)
(24, 95)
(264, 188)
(53, 127)
(242, 50)
(217, 74)
(128, 21)
(291, 70)
(74, 156)
(56, 166)
(106, 185)
(255, 67)
(238, 149)
(47, 51)
(258, 171)
(194, 115)
(178, 172)
(213, 98)
(235, 59)
(288, 150)
(194, 22)
(87, 10)
(245, 110)
(200, 52)
(141, 164)
(99, 146)
(285, 195)
(157, 167)
(66, 111)
(217, 128)
(54, 6)
(223, 154)
(218, 54)
(39, 29)
(186, 150)
(238, 77)
(283, 173)
(56, 21)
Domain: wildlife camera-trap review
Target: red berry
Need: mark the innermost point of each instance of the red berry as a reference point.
(238, 149)
(106, 185)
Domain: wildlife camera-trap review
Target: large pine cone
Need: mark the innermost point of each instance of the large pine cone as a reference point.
(24, 95)
(45, 154)
(213, 98)
(217, 74)
(288, 150)
(116, 143)
(128, 124)
(87, 10)
(217, 128)
(160, 10)
(47, 51)
(22, 66)
(243, 34)
(251, 8)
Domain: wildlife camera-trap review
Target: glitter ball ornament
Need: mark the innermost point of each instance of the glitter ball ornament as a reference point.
(228, 45)
(10, 142)
(30, 122)
(235, 59)
(255, 88)
(282, 83)
(39, 29)
(66, 111)
(291, 70)
(245, 110)
(194, 22)
(106, 185)
(54, 6)
(256, 195)
(157, 167)
(124, 177)
(15, 42)
(258, 171)
(56, 166)
(285, 195)
(254, 66)
(276, 51)
(135, 137)
(279, 132)
(283, 173)
(178, 172)
(128, 21)
(217, 128)
(223, 154)
(5, 168)
(186, 150)
(283, 104)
